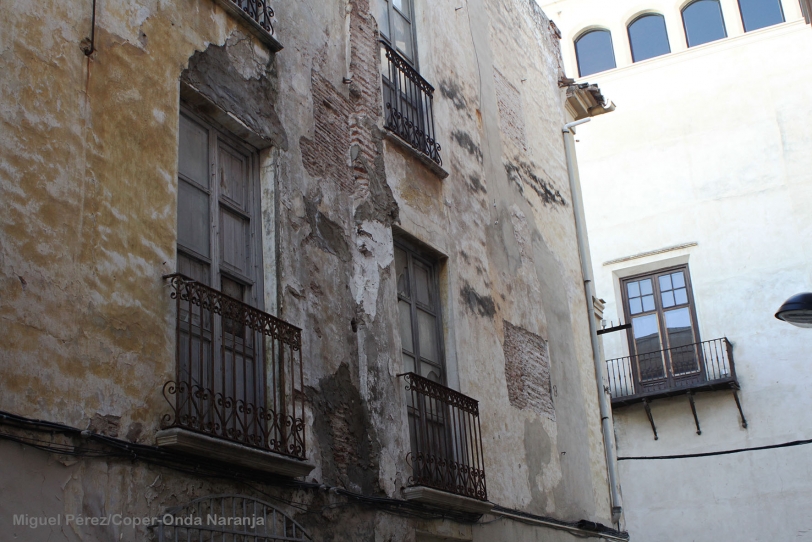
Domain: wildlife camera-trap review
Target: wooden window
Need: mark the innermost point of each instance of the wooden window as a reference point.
(396, 24)
(664, 335)
(218, 209)
(218, 245)
(419, 306)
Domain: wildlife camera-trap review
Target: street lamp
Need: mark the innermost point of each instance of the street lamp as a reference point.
(797, 310)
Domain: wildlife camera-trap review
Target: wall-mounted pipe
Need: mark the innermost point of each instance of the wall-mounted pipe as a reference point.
(589, 291)
(89, 47)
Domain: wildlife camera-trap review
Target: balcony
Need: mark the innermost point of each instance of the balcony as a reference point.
(409, 107)
(237, 394)
(448, 467)
(694, 367)
(257, 16)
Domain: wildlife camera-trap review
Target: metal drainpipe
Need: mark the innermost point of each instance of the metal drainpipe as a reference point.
(586, 269)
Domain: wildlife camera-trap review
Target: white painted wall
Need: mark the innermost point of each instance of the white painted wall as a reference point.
(710, 145)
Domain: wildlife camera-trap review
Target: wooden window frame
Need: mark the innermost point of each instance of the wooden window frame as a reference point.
(413, 254)
(390, 15)
(670, 379)
(252, 280)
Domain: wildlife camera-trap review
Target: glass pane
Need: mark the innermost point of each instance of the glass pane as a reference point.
(194, 225)
(646, 287)
(703, 22)
(406, 340)
(383, 17)
(403, 36)
(648, 303)
(648, 37)
(681, 296)
(431, 372)
(427, 335)
(594, 52)
(680, 341)
(647, 345)
(404, 7)
(402, 272)
(760, 13)
(668, 299)
(634, 289)
(665, 282)
(421, 285)
(408, 364)
(678, 279)
(646, 333)
(635, 305)
(193, 151)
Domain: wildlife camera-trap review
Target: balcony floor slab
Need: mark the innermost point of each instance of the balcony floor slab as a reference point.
(444, 499)
(176, 438)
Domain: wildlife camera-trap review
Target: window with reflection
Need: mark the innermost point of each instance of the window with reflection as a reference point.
(594, 52)
(396, 23)
(419, 306)
(760, 13)
(663, 338)
(648, 37)
(703, 22)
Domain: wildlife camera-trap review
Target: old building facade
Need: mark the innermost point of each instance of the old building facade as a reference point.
(308, 268)
(698, 213)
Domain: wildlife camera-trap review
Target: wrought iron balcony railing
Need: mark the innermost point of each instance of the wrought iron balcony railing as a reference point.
(238, 373)
(409, 102)
(694, 367)
(446, 440)
(258, 10)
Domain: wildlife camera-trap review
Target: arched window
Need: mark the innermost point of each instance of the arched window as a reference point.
(648, 37)
(760, 13)
(703, 22)
(595, 53)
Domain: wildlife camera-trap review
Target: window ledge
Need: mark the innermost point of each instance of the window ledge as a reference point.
(430, 164)
(444, 499)
(254, 27)
(197, 444)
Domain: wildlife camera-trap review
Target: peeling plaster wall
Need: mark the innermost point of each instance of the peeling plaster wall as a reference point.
(88, 167)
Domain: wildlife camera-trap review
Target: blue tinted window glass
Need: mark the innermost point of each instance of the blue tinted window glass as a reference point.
(648, 37)
(703, 22)
(760, 13)
(594, 52)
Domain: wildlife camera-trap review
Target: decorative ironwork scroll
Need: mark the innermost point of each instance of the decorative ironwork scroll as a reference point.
(239, 374)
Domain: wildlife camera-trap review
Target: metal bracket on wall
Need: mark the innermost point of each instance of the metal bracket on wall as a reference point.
(693, 409)
(650, 418)
(739, 406)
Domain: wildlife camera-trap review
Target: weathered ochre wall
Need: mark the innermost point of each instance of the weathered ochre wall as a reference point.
(88, 166)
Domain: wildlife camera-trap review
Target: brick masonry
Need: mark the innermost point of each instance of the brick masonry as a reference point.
(326, 156)
(511, 118)
(527, 371)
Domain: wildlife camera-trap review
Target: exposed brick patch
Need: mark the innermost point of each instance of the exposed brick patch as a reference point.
(365, 92)
(511, 118)
(527, 371)
(326, 156)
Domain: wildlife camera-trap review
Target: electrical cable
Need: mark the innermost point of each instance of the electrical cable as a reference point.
(721, 452)
(114, 448)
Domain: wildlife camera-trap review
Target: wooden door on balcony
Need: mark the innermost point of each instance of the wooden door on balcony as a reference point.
(664, 335)
(219, 357)
(422, 354)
